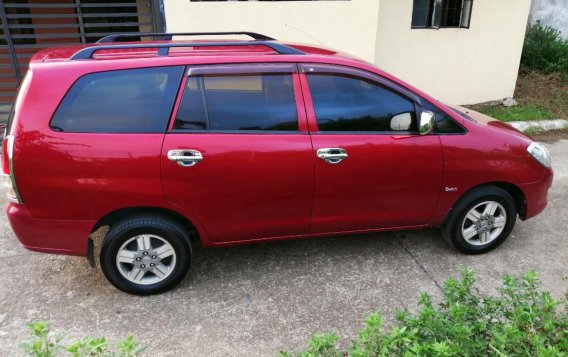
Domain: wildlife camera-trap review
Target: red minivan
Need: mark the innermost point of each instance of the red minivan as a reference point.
(169, 143)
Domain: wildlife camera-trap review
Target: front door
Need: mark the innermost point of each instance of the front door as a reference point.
(238, 156)
(373, 170)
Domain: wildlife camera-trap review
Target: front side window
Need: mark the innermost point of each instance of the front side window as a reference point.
(444, 123)
(441, 13)
(347, 103)
(123, 101)
(238, 102)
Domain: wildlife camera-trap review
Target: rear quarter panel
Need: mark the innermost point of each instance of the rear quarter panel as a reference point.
(68, 176)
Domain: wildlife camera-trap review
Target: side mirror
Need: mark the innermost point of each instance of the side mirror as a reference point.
(402, 121)
(427, 121)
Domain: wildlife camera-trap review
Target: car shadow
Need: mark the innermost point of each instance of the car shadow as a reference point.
(301, 257)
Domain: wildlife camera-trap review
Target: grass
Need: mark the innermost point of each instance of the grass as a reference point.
(516, 113)
(533, 131)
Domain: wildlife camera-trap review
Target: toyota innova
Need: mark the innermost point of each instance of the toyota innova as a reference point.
(170, 143)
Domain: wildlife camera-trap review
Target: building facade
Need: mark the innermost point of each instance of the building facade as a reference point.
(27, 26)
(460, 51)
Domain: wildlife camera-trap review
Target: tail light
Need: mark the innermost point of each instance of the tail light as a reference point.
(8, 169)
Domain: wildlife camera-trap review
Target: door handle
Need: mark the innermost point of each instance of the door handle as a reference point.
(332, 155)
(185, 158)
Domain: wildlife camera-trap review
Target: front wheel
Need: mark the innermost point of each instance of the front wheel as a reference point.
(481, 221)
(145, 254)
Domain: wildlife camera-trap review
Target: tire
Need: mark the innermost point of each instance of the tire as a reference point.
(481, 220)
(145, 254)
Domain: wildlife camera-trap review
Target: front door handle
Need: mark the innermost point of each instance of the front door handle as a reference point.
(332, 155)
(185, 158)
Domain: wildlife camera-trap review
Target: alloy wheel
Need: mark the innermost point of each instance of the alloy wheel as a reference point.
(484, 223)
(146, 259)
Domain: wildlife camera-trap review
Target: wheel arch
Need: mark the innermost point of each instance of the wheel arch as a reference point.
(118, 214)
(114, 216)
(94, 241)
(517, 194)
(512, 189)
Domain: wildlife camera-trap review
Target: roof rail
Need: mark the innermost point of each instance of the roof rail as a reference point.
(164, 48)
(168, 36)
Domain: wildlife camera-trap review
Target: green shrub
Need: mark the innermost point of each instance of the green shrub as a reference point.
(45, 345)
(544, 50)
(520, 321)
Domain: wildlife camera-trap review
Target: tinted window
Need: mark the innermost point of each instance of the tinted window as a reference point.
(125, 101)
(238, 102)
(444, 123)
(344, 103)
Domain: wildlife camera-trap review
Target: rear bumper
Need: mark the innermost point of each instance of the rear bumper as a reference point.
(48, 235)
(536, 194)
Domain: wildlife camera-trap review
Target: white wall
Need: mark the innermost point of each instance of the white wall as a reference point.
(350, 26)
(460, 66)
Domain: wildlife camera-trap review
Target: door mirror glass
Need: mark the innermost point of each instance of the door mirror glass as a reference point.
(401, 122)
(426, 122)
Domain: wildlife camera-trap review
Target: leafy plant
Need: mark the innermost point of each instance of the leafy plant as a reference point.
(45, 345)
(520, 321)
(545, 50)
(42, 345)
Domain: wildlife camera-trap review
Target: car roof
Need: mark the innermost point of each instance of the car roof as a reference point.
(193, 50)
(109, 54)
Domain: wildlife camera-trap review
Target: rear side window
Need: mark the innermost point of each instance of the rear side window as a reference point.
(238, 102)
(124, 101)
(347, 103)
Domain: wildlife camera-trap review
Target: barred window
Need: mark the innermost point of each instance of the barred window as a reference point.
(441, 13)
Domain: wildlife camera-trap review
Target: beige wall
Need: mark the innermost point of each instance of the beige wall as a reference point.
(350, 26)
(460, 66)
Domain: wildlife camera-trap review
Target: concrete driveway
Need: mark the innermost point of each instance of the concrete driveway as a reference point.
(259, 299)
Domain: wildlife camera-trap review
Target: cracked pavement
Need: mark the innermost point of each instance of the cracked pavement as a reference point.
(259, 299)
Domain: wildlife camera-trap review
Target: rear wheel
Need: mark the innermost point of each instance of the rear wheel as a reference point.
(145, 254)
(481, 220)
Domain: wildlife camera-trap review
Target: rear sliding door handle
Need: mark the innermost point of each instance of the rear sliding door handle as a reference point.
(332, 155)
(185, 158)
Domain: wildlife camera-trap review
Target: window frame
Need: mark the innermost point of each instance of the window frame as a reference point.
(307, 68)
(443, 16)
(288, 68)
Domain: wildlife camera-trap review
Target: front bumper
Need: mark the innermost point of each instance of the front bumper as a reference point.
(536, 194)
(49, 235)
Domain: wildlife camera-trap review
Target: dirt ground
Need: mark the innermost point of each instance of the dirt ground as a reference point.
(534, 92)
(548, 91)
